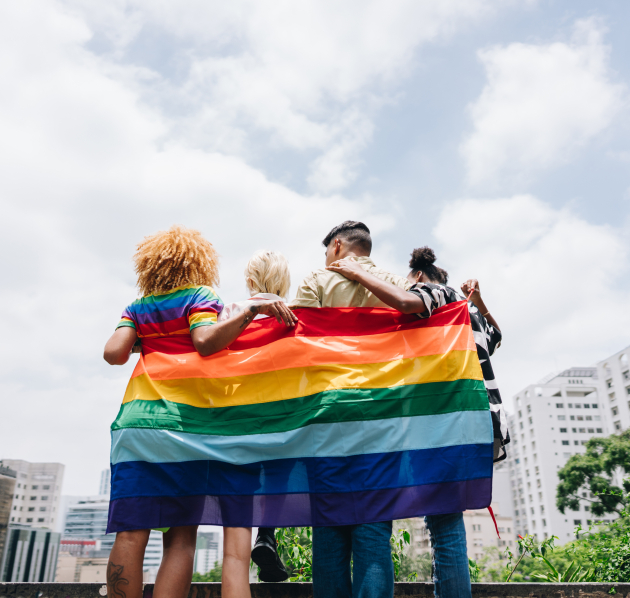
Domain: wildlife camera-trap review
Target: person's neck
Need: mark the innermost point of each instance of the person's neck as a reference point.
(351, 253)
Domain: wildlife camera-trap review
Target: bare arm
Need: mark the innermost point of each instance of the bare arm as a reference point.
(473, 285)
(119, 345)
(388, 293)
(212, 339)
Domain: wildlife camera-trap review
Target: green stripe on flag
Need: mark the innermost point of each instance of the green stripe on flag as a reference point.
(326, 407)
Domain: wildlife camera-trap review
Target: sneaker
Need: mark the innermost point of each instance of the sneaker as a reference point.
(265, 555)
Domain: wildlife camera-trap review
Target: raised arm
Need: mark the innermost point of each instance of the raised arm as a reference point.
(473, 285)
(212, 339)
(388, 293)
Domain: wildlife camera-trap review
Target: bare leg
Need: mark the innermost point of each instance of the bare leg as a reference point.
(124, 570)
(237, 547)
(175, 573)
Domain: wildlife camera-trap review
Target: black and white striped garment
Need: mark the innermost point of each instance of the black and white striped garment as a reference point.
(488, 339)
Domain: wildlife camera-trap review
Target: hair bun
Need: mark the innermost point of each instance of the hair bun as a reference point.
(423, 256)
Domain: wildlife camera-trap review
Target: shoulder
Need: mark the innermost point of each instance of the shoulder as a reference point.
(399, 281)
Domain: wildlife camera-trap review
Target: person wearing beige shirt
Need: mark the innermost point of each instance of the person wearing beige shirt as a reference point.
(323, 288)
(366, 545)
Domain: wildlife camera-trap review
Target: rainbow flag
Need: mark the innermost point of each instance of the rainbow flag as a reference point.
(355, 415)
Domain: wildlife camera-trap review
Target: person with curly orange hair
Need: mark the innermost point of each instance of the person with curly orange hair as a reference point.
(178, 311)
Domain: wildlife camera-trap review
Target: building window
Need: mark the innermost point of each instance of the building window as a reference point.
(559, 405)
(587, 406)
(609, 383)
(40, 520)
(589, 418)
(618, 426)
(574, 430)
(572, 418)
(33, 497)
(600, 431)
(529, 408)
(521, 425)
(520, 414)
(562, 418)
(582, 430)
(531, 423)
(563, 430)
(46, 487)
(615, 411)
(578, 406)
(594, 406)
(611, 396)
(580, 418)
(576, 442)
(626, 375)
(591, 430)
(565, 443)
(577, 522)
(31, 508)
(34, 487)
(583, 442)
(29, 520)
(544, 522)
(42, 508)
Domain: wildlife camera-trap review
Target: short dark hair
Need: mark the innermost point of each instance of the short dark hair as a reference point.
(355, 233)
(422, 260)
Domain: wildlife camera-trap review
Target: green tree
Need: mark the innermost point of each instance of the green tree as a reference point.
(594, 471)
(213, 575)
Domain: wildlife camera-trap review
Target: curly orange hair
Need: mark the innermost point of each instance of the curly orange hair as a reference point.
(174, 258)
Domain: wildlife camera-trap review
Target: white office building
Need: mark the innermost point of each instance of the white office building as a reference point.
(209, 550)
(614, 375)
(37, 495)
(86, 519)
(105, 485)
(554, 419)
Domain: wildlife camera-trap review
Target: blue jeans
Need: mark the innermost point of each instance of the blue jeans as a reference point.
(372, 569)
(450, 559)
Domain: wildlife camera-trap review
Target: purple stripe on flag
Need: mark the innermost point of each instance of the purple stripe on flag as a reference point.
(296, 510)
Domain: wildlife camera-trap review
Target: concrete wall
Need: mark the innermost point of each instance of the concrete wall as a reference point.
(299, 590)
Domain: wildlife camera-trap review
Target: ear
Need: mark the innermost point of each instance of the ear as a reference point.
(419, 274)
(337, 246)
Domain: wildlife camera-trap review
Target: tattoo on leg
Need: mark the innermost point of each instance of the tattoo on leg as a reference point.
(115, 580)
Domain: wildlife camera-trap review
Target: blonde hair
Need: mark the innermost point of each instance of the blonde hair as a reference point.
(268, 272)
(174, 258)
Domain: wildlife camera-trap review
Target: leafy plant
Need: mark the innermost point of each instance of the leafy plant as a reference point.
(474, 570)
(295, 547)
(399, 540)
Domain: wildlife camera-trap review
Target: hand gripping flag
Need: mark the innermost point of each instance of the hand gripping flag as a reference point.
(356, 415)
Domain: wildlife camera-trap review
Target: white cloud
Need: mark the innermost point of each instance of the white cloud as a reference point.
(554, 282)
(541, 104)
(305, 76)
(87, 172)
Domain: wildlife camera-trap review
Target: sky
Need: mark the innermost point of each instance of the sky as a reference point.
(496, 132)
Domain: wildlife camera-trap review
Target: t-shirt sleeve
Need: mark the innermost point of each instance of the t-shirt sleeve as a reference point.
(432, 296)
(493, 337)
(204, 309)
(307, 295)
(127, 319)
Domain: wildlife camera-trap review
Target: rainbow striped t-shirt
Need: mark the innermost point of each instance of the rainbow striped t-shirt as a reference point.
(165, 317)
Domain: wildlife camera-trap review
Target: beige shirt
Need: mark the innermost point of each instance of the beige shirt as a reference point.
(323, 288)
